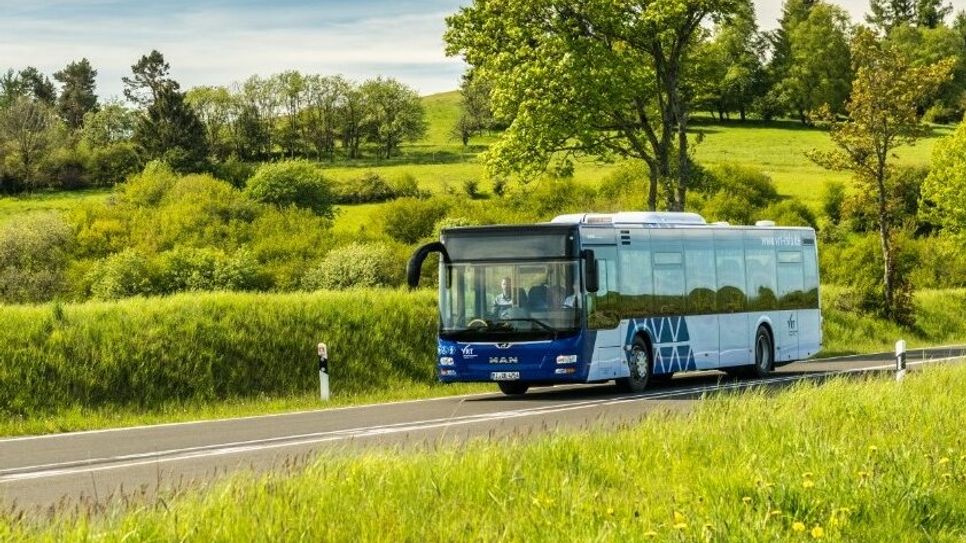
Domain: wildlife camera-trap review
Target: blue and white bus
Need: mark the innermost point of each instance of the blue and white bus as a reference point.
(630, 297)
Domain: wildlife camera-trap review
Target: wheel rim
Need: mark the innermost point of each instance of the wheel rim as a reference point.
(763, 352)
(639, 365)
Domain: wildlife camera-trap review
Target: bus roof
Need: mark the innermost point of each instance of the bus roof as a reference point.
(652, 219)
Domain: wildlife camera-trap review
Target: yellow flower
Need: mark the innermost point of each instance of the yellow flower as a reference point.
(818, 532)
(798, 526)
(680, 526)
(863, 474)
(943, 461)
(873, 448)
(610, 511)
(679, 517)
(746, 499)
(808, 483)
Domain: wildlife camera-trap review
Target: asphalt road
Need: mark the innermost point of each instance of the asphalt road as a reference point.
(93, 468)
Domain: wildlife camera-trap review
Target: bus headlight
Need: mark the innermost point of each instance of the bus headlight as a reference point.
(567, 359)
(446, 361)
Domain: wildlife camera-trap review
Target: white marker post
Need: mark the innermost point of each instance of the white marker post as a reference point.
(900, 359)
(323, 372)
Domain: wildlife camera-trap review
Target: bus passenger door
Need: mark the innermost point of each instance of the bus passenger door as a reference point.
(791, 292)
(731, 300)
(603, 317)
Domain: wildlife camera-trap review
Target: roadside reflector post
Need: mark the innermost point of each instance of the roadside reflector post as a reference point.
(900, 359)
(323, 372)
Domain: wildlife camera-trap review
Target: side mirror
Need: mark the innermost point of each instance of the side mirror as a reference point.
(415, 266)
(591, 271)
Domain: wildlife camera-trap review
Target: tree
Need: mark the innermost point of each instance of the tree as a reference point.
(77, 96)
(394, 114)
(325, 98)
(170, 131)
(113, 123)
(819, 71)
(944, 192)
(959, 25)
(216, 109)
(28, 82)
(883, 115)
(731, 64)
(588, 78)
(476, 113)
(149, 80)
(351, 121)
(890, 14)
(926, 46)
(28, 129)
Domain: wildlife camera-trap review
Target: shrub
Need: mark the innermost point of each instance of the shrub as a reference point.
(472, 188)
(148, 187)
(406, 186)
(549, 197)
(124, 274)
(368, 188)
(235, 171)
(34, 252)
(832, 200)
(65, 168)
(409, 220)
(789, 213)
(500, 186)
(747, 183)
(188, 268)
(112, 164)
(356, 265)
(296, 183)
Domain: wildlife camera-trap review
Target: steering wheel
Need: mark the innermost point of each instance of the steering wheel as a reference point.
(477, 323)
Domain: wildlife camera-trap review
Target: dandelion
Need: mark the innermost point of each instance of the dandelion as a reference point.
(808, 483)
(863, 474)
(679, 518)
(943, 461)
(818, 532)
(610, 511)
(798, 526)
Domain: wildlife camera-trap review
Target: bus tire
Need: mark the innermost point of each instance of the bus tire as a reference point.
(640, 365)
(513, 388)
(764, 353)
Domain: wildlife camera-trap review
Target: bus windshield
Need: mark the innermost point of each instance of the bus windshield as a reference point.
(509, 301)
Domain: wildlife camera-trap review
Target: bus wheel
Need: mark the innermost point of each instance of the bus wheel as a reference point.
(640, 367)
(764, 353)
(513, 388)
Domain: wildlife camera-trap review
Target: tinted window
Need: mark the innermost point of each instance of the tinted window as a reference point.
(810, 264)
(604, 307)
(669, 286)
(637, 281)
(699, 269)
(760, 271)
(790, 279)
(730, 265)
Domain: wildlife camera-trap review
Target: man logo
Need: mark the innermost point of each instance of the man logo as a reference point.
(503, 360)
(503, 345)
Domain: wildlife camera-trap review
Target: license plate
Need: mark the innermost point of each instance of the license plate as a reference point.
(505, 376)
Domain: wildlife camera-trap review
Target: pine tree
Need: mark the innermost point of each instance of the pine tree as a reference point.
(77, 94)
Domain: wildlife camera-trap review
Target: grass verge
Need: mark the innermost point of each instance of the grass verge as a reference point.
(864, 459)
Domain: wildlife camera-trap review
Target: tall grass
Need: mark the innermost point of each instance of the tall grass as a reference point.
(851, 460)
(144, 353)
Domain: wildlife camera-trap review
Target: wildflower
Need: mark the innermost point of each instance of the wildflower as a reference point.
(681, 526)
(808, 483)
(610, 511)
(679, 517)
(798, 526)
(863, 474)
(873, 449)
(746, 499)
(818, 532)
(943, 461)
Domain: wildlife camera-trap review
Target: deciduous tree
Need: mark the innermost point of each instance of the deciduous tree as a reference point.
(882, 115)
(393, 114)
(588, 78)
(28, 130)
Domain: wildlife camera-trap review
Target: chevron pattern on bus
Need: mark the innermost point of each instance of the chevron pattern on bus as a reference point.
(672, 347)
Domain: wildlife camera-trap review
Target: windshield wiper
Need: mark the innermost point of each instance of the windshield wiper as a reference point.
(538, 322)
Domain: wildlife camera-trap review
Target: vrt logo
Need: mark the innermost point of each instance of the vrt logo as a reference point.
(792, 325)
(468, 352)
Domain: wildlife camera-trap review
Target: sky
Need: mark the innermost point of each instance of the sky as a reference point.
(218, 42)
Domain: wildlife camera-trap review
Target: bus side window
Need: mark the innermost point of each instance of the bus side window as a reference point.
(636, 281)
(761, 272)
(700, 272)
(604, 306)
(730, 265)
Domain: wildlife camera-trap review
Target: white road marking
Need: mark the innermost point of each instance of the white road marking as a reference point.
(44, 471)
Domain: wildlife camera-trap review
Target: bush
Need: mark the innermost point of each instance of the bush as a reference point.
(472, 188)
(298, 183)
(235, 171)
(206, 269)
(500, 186)
(148, 187)
(369, 188)
(356, 265)
(121, 275)
(789, 213)
(406, 186)
(34, 252)
(745, 182)
(112, 164)
(832, 200)
(409, 220)
(65, 168)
